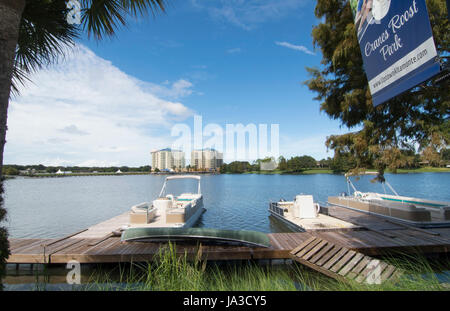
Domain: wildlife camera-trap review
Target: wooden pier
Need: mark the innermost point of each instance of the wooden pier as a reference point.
(101, 243)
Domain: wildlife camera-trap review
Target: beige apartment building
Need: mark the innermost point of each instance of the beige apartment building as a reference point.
(168, 159)
(206, 159)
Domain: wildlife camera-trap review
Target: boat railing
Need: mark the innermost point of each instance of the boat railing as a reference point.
(273, 206)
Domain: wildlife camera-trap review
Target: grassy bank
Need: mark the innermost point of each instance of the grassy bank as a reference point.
(81, 174)
(305, 172)
(177, 273)
(423, 170)
(328, 171)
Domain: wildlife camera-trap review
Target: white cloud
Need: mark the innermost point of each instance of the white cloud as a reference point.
(176, 90)
(86, 110)
(300, 48)
(234, 51)
(73, 129)
(248, 14)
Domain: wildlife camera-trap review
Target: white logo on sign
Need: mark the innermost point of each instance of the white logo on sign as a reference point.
(380, 8)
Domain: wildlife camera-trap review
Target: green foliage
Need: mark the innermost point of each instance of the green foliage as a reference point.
(175, 271)
(299, 164)
(282, 163)
(445, 153)
(342, 163)
(236, 167)
(12, 171)
(419, 116)
(103, 18)
(44, 34)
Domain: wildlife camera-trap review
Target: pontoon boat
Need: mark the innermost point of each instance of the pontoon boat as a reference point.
(303, 214)
(169, 211)
(415, 211)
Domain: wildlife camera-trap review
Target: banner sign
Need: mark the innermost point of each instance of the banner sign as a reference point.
(397, 45)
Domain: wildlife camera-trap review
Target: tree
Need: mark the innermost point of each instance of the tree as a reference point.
(419, 116)
(10, 171)
(299, 164)
(282, 163)
(445, 154)
(33, 33)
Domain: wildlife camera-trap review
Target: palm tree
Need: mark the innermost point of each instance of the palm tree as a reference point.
(34, 33)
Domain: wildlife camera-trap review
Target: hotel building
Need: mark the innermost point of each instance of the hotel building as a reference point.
(206, 159)
(168, 159)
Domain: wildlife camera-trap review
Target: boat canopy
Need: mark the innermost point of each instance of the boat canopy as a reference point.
(241, 237)
(180, 177)
(382, 181)
(184, 177)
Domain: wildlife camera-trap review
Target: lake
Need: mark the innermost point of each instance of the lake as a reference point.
(54, 207)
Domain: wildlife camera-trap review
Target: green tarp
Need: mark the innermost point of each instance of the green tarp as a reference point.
(243, 237)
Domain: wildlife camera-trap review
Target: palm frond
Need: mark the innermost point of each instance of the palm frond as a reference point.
(104, 17)
(44, 34)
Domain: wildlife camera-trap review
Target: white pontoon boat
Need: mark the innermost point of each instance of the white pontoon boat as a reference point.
(303, 214)
(415, 211)
(169, 211)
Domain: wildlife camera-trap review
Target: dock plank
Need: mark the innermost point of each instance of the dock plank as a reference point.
(347, 264)
(343, 261)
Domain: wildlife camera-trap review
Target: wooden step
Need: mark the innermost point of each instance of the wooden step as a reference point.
(342, 263)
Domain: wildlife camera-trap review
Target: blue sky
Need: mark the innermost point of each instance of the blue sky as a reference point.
(230, 61)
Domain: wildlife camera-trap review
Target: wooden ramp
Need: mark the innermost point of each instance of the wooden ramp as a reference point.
(342, 263)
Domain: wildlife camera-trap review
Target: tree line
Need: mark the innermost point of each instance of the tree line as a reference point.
(343, 161)
(293, 165)
(13, 170)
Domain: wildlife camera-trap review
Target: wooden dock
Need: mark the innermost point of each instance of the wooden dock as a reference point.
(373, 236)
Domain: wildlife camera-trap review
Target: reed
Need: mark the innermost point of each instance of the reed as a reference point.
(173, 272)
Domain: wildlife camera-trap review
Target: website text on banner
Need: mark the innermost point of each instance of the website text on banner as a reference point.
(397, 45)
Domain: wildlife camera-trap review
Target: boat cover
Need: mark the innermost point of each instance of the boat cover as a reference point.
(208, 235)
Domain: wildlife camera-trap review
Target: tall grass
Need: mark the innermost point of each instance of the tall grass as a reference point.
(173, 272)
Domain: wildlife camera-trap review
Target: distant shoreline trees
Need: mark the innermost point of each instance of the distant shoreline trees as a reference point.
(342, 162)
(12, 170)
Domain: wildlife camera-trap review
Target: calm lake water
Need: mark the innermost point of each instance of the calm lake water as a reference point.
(54, 207)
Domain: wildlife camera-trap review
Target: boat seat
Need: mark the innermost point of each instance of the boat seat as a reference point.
(142, 214)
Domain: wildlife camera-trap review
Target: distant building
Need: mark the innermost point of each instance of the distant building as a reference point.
(168, 159)
(206, 159)
(268, 165)
(119, 171)
(63, 172)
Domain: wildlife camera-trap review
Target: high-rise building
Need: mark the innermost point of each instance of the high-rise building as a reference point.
(168, 159)
(206, 159)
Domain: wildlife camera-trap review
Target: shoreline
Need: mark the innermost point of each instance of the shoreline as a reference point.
(274, 172)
